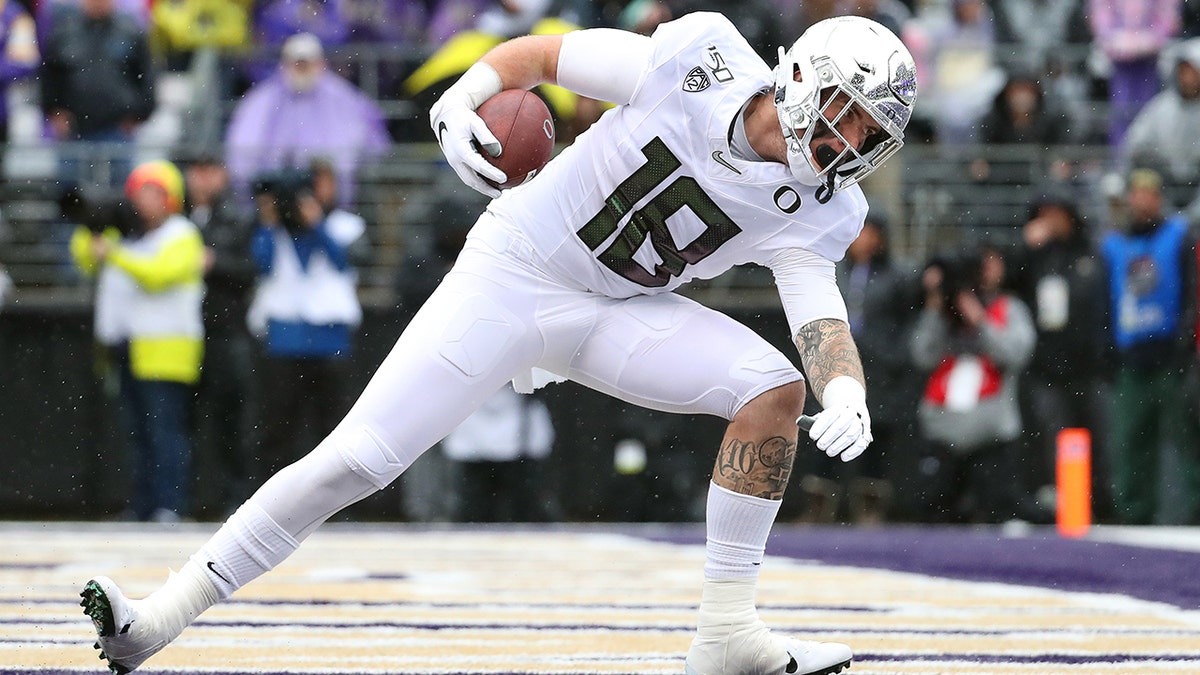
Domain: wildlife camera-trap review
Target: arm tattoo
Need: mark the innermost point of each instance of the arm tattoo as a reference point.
(827, 351)
(758, 469)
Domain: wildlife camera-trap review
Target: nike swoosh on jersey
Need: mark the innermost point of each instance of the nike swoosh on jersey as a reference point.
(719, 156)
(441, 128)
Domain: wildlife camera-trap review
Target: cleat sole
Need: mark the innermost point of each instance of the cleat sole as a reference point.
(831, 670)
(97, 608)
(834, 670)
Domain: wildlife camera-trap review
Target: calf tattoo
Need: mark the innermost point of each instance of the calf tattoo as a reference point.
(827, 350)
(758, 469)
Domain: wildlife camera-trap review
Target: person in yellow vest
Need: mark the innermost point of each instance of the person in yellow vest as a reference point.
(148, 314)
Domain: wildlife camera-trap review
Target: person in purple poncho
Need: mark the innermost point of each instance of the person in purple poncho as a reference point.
(301, 112)
(19, 55)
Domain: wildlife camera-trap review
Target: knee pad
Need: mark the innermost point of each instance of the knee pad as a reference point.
(369, 456)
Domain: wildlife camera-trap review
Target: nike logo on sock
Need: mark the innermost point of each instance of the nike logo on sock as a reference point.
(213, 569)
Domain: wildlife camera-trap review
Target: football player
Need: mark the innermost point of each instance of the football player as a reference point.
(710, 159)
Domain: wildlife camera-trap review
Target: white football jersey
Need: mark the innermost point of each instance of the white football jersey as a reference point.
(652, 196)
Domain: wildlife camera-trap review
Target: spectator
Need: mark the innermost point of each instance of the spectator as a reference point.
(1153, 139)
(1131, 35)
(20, 57)
(511, 18)
(392, 36)
(181, 27)
(879, 313)
(305, 309)
(148, 312)
(1058, 274)
(956, 55)
(1035, 33)
(448, 18)
(301, 112)
(276, 21)
(97, 87)
(6, 286)
(343, 225)
(1021, 115)
(1151, 283)
(200, 43)
(387, 22)
(46, 12)
(501, 451)
(972, 340)
(224, 396)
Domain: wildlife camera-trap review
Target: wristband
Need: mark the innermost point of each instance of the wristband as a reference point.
(844, 390)
(477, 85)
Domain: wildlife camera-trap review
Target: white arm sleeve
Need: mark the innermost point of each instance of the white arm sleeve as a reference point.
(807, 286)
(604, 63)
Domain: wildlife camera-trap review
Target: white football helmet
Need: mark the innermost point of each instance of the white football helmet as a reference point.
(868, 63)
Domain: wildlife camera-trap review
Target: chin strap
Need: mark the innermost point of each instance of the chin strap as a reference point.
(826, 156)
(825, 190)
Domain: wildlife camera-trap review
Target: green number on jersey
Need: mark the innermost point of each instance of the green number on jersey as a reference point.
(651, 219)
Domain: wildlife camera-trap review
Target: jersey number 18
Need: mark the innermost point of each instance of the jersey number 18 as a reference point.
(651, 219)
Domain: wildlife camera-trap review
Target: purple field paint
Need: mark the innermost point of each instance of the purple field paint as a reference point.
(1040, 559)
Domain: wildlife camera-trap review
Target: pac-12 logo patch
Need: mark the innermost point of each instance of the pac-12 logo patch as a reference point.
(696, 80)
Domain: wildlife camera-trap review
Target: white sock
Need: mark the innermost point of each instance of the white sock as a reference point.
(738, 526)
(247, 546)
(184, 597)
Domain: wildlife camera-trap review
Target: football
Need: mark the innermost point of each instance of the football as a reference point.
(523, 125)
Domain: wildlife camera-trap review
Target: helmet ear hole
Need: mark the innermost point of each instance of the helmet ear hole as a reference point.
(797, 74)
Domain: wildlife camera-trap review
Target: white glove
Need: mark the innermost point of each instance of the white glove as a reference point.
(458, 128)
(844, 426)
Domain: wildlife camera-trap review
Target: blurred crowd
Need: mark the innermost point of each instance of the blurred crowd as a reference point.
(978, 358)
(234, 132)
(170, 74)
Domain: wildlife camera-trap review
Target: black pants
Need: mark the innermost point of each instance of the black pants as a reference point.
(302, 400)
(225, 412)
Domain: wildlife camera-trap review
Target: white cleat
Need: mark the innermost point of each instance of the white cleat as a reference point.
(124, 641)
(751, 649)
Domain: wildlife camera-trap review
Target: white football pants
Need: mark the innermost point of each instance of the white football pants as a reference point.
(497, 315)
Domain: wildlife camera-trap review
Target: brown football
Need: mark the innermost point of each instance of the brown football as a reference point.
(523, 125)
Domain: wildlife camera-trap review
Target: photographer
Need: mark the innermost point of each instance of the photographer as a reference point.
(305, 309)
(973, 340)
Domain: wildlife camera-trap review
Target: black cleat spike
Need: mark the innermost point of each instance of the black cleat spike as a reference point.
(96, 607)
